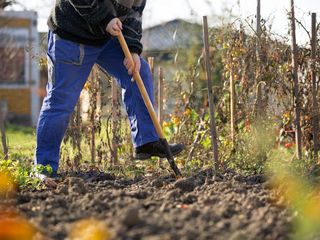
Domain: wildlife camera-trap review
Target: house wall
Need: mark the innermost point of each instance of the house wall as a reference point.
(22, 94)
(19, 101)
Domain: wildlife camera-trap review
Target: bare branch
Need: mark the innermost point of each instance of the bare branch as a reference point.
(300, 23)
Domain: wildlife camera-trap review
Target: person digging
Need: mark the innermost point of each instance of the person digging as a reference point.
(83, 33)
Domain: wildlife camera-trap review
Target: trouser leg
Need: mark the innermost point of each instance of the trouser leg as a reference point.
(69, 65)
(142, 129)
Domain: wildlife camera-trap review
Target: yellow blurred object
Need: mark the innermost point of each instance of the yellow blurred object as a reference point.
(187, 112)
(286, 115)
(89, 229)
(16, 228)
(185, 97)
(6, 183)
(165, 124)
(175, 120)
(302, 198)
(311, 209)
(87, 86)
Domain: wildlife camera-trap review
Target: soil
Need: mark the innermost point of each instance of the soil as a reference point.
(203, 206)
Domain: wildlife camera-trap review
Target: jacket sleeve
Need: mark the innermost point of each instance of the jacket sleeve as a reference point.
(94, 11)
(132, 27)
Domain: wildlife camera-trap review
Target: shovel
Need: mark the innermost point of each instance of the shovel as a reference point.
(147, 101)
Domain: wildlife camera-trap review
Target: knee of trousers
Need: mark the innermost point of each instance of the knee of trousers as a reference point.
(60, 101)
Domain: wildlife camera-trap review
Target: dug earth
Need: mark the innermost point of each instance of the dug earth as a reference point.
(203, 206)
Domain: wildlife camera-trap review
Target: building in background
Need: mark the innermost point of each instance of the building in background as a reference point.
(19, 65)
(164, 41)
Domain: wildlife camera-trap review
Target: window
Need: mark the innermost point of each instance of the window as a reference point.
(13, 56)
(12, 65)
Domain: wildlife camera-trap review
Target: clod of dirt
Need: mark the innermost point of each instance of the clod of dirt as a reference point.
(62, 189)
(185, 184)
(210, 200)
(217, 178)
(130, 216)
(157, 183)
(173, 194)
(23, 198)
(76, 185)
(189, 199)
(238, 236)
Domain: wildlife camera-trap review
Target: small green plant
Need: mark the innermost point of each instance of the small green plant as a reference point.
(24, 175)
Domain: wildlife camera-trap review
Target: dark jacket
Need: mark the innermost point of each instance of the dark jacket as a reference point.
(85, 21)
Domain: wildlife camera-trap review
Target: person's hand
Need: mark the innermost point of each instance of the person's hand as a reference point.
(133, 68)
(114, 27)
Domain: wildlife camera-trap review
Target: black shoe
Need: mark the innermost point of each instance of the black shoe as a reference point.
(156, 149)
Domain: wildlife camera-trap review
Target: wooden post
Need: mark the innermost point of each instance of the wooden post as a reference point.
(258, 107)
(77, 136)
(315, 106)
(210, 94)
(3, 115)
(232, 107)
(296, 83)
(160, 95)
(151, 64)
(259, 18)
(115, 122)
(93, 113)
(258, 50)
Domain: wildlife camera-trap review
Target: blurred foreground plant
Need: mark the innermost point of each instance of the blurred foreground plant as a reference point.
(293, 188)
(7, 184)
(89, 229)
(14, 227)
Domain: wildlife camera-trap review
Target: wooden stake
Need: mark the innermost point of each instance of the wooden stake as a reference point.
(258, 106)
(210, 94)
(151, 64)
(115, 122)
(93, 114)
(77, 140)
(315, 106)
(296, 83)
(232, 107)
(160, 95)
(3, 115)
(259, 18)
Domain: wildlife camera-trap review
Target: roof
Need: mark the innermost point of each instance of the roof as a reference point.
(171, 35)
(20, 14)
(15, 27)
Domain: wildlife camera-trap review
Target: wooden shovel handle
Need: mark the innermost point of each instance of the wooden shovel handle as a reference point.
(143, 91)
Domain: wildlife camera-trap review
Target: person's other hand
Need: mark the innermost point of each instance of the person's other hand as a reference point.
(114, 27)
(133, 68)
